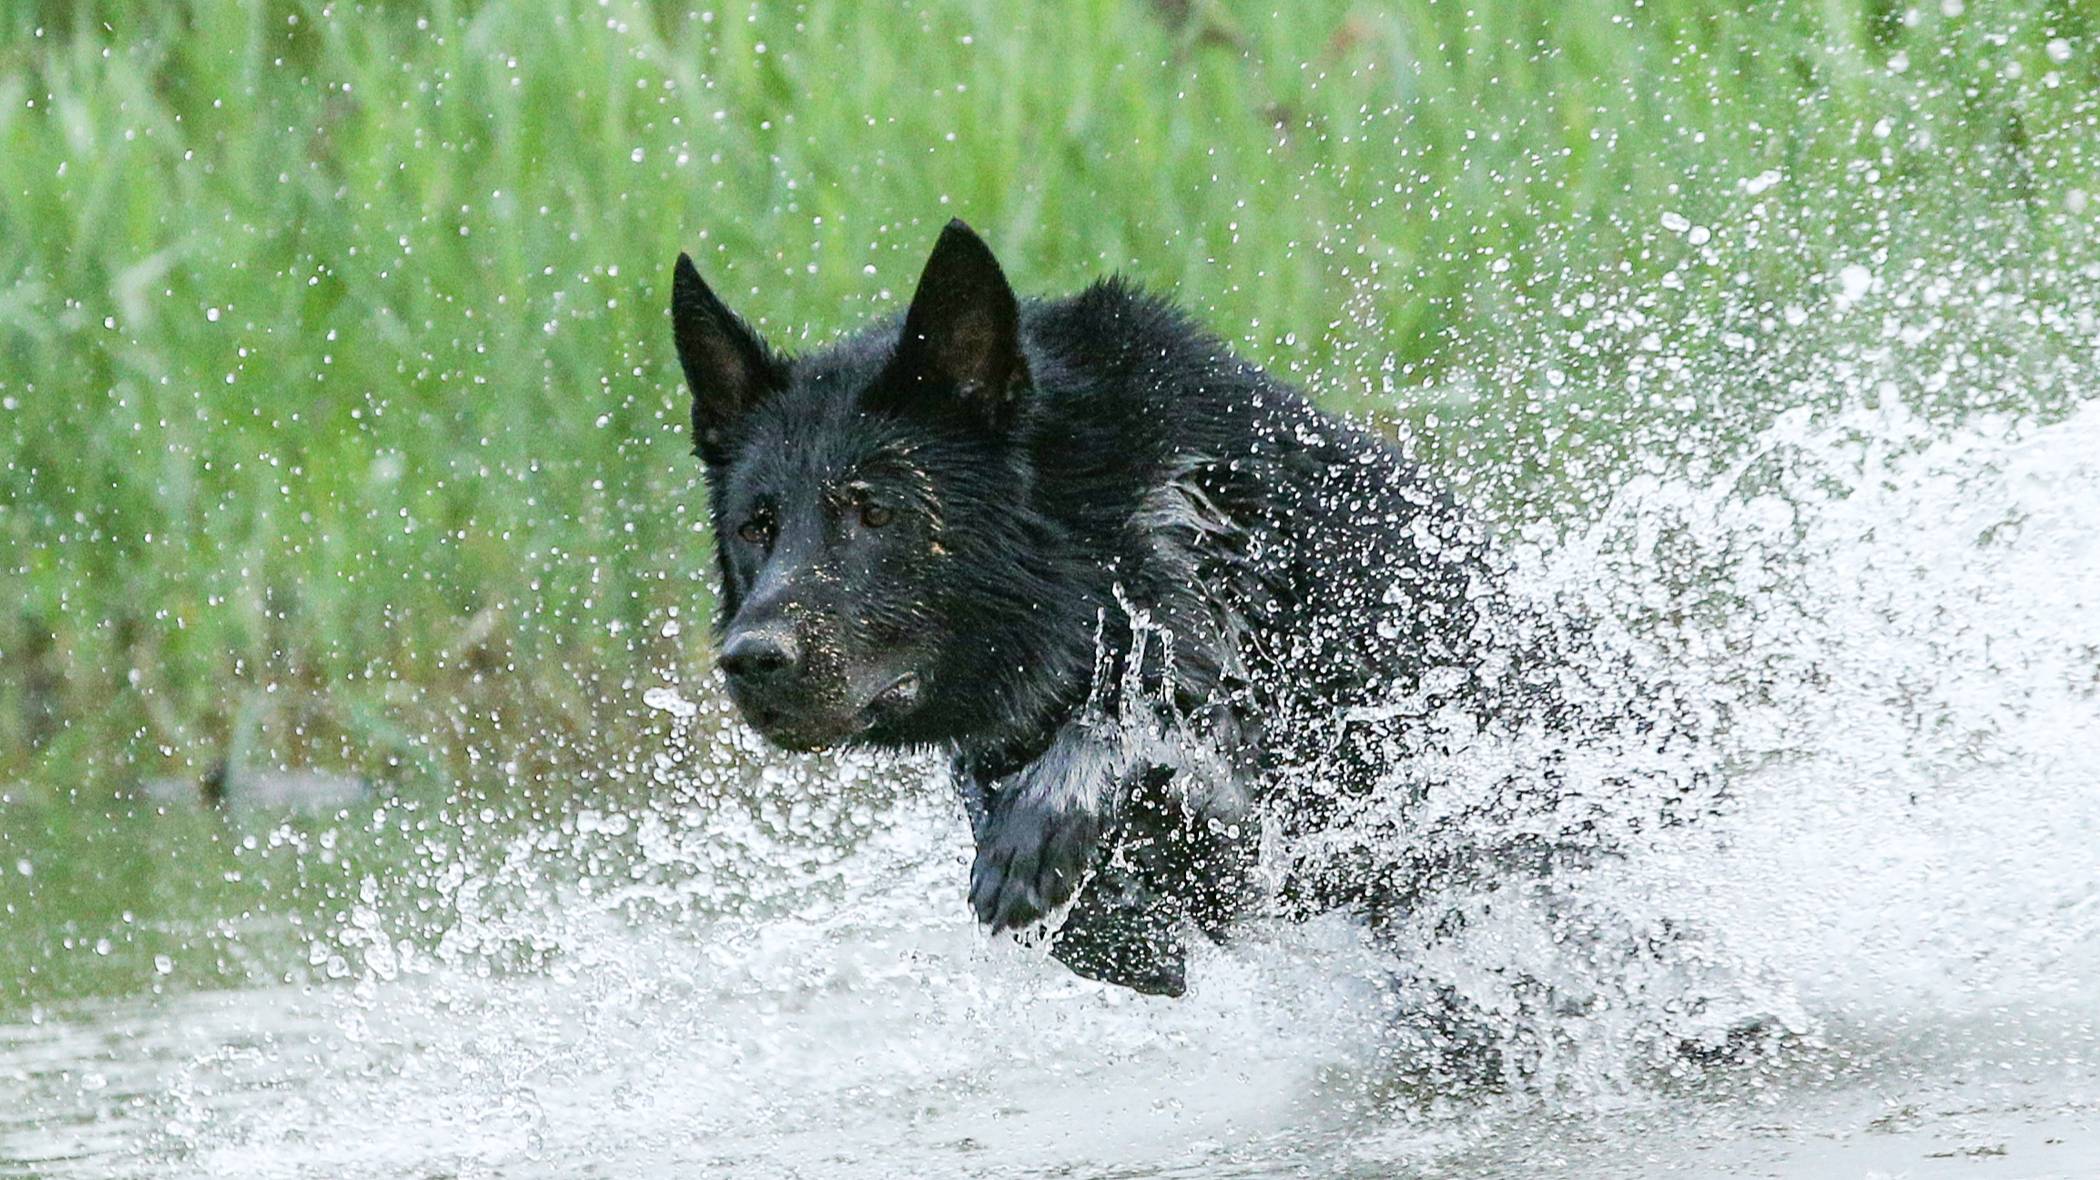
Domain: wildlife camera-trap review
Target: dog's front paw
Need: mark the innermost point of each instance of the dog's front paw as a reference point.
(1030, 861)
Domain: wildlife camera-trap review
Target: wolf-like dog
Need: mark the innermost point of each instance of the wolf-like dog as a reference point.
(1152, 602)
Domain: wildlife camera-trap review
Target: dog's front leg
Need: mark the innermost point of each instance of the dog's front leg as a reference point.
(1043, 824)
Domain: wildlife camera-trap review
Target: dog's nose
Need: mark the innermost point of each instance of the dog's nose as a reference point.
(758, 655)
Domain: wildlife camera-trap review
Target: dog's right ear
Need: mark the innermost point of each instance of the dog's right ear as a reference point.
(960, 347)
(728, 368)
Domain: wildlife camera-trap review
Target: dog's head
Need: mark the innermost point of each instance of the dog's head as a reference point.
(857, 494)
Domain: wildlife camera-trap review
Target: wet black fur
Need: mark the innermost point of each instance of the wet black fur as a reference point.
(1147, 596)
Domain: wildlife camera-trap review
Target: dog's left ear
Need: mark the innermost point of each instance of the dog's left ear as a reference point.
(962, 337)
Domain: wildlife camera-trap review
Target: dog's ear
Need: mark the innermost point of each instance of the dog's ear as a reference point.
(728, 368)
(962, 337)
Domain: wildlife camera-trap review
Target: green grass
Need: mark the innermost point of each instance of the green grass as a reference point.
(336, 392)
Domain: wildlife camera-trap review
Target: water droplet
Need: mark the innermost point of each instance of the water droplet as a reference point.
(668, 700)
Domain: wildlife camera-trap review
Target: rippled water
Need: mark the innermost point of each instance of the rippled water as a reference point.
(1905, 656)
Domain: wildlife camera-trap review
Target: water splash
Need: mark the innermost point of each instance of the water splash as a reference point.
(1878, 613)
(775, 975)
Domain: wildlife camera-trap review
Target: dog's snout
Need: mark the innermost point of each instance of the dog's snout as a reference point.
(759, 654)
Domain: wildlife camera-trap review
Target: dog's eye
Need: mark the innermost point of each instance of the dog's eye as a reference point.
(756, 531)
(876, 515)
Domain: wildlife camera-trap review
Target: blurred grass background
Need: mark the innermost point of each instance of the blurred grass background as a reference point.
(339, 422)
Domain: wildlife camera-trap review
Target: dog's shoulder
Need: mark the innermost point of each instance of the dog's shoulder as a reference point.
(1117, 340)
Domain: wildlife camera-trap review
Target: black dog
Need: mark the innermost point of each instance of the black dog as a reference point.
(1147, 596)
